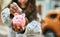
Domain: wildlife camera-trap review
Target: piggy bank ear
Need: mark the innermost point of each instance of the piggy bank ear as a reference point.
(15, 14)
(23, 14)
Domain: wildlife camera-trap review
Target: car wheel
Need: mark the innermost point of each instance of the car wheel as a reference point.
(50, 34)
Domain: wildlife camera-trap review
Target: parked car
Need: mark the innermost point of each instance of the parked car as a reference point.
(51, 24)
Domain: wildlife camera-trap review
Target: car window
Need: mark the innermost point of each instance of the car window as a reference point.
(53, 16)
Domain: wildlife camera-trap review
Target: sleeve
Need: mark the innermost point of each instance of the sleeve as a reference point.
(5, 16)
(33, 27)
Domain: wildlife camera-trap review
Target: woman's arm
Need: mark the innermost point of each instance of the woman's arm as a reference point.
(33, 27)
(5, 16)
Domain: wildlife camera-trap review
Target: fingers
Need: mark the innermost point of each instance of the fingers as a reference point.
(12, 11)
(15, 4)
(17, 7)
(17, 29)
(14, 8)
(14, 28)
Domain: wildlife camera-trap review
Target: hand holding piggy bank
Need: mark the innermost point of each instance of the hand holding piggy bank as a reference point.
(19, 22)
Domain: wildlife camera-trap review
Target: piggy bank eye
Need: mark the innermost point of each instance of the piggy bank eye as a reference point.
(16, 17)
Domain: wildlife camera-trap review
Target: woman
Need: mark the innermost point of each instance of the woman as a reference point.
(27, 6)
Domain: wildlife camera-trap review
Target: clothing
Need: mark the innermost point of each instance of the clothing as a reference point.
(33, 28)
(5, 16)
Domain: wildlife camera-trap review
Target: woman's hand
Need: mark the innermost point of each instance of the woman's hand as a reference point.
(14, 8)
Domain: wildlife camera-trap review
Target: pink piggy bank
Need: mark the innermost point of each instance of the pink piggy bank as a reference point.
(19, 22)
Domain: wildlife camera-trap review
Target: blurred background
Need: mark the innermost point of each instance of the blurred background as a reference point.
(45, 6)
